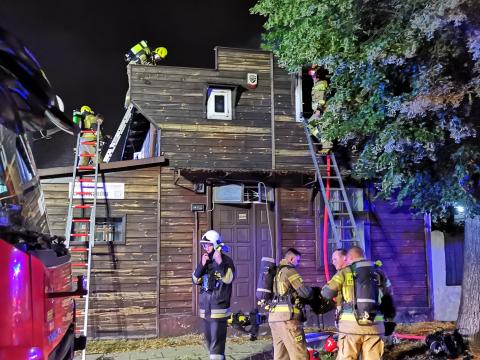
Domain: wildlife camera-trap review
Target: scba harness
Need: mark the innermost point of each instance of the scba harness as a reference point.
(366, 285)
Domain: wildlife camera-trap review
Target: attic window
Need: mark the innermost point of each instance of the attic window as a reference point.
(219, 103)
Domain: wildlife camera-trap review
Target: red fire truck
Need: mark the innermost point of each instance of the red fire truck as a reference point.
(37, 303)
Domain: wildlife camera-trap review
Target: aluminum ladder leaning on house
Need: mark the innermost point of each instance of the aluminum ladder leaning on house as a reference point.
(82, 210)
(340, 216)
(121, 128)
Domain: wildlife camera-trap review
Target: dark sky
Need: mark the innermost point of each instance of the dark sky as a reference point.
(81, 44)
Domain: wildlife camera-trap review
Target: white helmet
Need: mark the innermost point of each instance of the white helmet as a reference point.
(214, 238)
(211, 237)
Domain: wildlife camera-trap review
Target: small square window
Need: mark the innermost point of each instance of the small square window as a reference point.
(219, 104)
(106, 230)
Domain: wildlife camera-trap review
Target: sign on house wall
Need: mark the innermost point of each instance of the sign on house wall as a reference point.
(104, 190)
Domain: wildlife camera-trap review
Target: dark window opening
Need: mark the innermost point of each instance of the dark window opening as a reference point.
(220, 103)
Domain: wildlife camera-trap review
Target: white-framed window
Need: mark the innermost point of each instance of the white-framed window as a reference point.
(219, 104)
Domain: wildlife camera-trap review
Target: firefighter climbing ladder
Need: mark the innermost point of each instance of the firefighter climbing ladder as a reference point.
(340, 216)
(83, 200)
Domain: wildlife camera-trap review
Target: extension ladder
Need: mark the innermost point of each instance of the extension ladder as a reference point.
(80, 229)
(340, 215)
(121, 128)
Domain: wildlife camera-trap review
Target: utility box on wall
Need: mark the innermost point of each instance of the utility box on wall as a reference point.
(243, 194)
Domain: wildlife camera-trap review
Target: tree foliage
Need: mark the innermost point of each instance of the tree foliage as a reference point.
(404, 92)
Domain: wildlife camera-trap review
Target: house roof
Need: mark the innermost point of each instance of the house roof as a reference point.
(104, 167)
(269, 177)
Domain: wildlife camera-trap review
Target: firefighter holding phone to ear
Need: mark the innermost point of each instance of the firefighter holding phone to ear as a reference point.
(214, 274)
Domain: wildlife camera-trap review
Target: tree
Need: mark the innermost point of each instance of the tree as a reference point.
(405, 95)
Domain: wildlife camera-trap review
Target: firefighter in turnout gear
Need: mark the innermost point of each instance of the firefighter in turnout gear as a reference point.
(142, 54)
(88, 121)
(361, 324)
(319, 104)
(214, 274)
(286, 313)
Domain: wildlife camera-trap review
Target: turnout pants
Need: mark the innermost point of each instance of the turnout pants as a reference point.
(215, 331)
(351, 346)
(288, 340)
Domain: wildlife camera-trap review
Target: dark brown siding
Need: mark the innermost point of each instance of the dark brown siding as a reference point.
(290, 144)
(123, 293)
(398, 240)
(298, 231)
(174, 99)
(178, 257)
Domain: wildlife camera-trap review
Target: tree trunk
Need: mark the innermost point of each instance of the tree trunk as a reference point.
(468, 321)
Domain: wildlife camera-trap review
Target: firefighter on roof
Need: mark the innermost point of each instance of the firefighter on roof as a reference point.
(214, 274)
(142, 54)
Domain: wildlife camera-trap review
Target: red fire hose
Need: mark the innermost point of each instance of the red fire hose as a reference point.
(325, 223)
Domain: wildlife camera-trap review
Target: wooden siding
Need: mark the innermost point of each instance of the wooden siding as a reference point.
(291, 149)
(398, 240)
(174, 99)
(178, 243)
(123, 292)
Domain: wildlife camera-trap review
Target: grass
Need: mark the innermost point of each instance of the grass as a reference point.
(403, 350)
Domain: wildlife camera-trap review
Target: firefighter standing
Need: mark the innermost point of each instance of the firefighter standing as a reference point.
(88, 121)
(356, 339)
(286, 311)
(339, 261)
(215, 275)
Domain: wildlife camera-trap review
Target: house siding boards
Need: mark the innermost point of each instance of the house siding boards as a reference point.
(174, 99)
(397, 238)
(178, 256)
(124, 298)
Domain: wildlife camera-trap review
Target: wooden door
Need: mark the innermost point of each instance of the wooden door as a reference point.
(244, 228)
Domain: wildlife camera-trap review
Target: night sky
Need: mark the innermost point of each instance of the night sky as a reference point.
(81, 46)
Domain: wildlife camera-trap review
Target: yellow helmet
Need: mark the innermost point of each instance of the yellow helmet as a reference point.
(161, 51)
(86, 108)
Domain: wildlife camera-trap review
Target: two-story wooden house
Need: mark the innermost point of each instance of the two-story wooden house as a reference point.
(219, 148)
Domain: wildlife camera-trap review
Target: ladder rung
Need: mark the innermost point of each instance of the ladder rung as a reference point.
(88, 142)
(88, 155)
(85, 167)
(83, 193)
(79, 234)
(78, 249)
(346, 227)
(88, 131)
(81, 220)
(80, 264)
(82, 206)
(339, 213)
(330, 177)
(85, 180)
